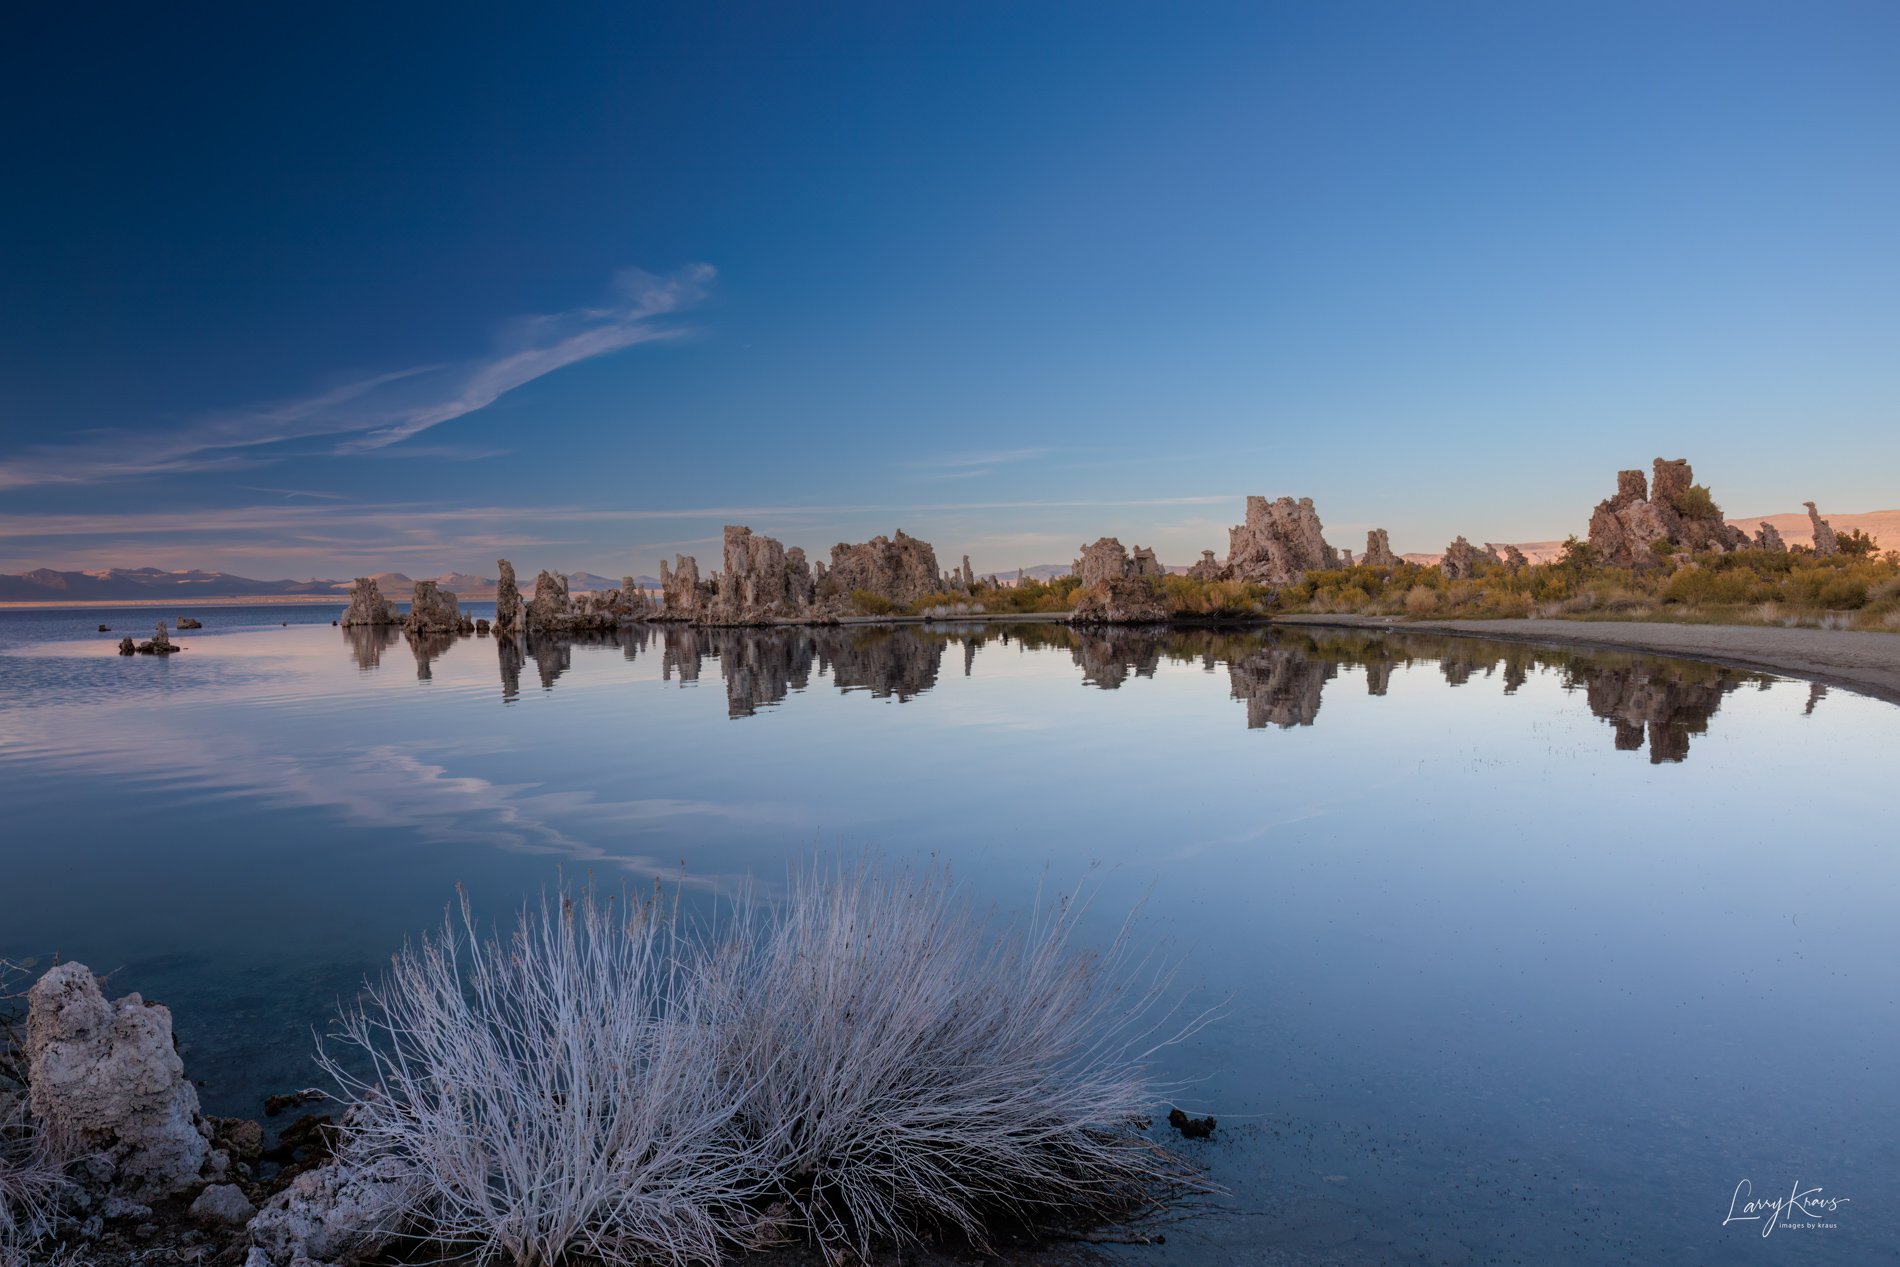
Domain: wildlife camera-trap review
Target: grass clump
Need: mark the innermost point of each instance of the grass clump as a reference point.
(854, 1066)
(33, 1160)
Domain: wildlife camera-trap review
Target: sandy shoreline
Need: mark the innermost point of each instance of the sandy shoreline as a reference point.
(1868, 663)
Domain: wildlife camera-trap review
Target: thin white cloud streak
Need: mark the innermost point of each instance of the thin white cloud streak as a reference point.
(373, 413)
(401, 517)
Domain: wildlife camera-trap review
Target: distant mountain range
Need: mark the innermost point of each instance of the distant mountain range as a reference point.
(44, 585)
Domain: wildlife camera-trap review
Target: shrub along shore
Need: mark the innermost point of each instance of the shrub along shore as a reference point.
(869, 1063)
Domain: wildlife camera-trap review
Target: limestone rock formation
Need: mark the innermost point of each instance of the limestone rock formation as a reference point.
(901, 569)
(1120, 600)
(1279, 543)
(1208, 569)
(111, 1073)
(763, 582)
(1458, 560)
(507, 599)
(336, 1210)
(1624, 527)
(637, 602)
(1824, 539)
(433, 611)
(550, 610)
(127, 647)
(1105, 560)
(1512, 559)
(1769, 539)
(1144, 563)
(368, 606)
(682, 597)
(186, 622)
(1379, 550)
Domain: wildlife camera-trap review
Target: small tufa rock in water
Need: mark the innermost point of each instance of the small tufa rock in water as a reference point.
(127, 647)
(186, 622)
(105, 628)
(1190, 1127)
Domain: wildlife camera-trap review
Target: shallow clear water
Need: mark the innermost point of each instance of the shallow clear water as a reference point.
(1529, 955)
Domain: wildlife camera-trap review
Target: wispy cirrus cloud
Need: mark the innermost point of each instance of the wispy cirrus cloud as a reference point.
(370, 414)
(958, 466)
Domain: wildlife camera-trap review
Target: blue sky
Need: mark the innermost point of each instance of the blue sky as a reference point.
(413, 286)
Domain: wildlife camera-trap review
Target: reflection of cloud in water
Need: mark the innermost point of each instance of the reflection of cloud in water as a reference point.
(390, 788)
(1279, 673)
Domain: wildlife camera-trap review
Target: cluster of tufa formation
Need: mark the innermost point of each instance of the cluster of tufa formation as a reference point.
(1278, 544)
(901, 569)
(1379, 551)
(434, 610)
(1107, 560)
(160, 644)
(1666, 515)
(369, 607)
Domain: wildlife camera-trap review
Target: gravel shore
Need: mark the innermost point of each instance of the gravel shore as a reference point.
(1868, 663)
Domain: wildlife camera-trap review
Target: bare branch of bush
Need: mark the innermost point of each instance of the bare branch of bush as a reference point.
(858, 1063)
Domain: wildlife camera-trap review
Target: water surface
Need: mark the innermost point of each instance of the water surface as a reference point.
(1530, 955)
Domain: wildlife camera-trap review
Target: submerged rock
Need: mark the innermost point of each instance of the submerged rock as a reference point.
(111, 1073)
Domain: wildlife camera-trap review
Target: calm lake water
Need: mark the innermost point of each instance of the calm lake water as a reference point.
(1530, 955)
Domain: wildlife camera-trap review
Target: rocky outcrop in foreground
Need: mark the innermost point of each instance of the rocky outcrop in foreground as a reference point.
(153, 1179)
(110, 1074)
(1624, 528)
(368, 606)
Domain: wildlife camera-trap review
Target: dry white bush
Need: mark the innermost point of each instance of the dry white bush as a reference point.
(857, 1064)
(32, 1160)
(923, 1069)
(557, 1093)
